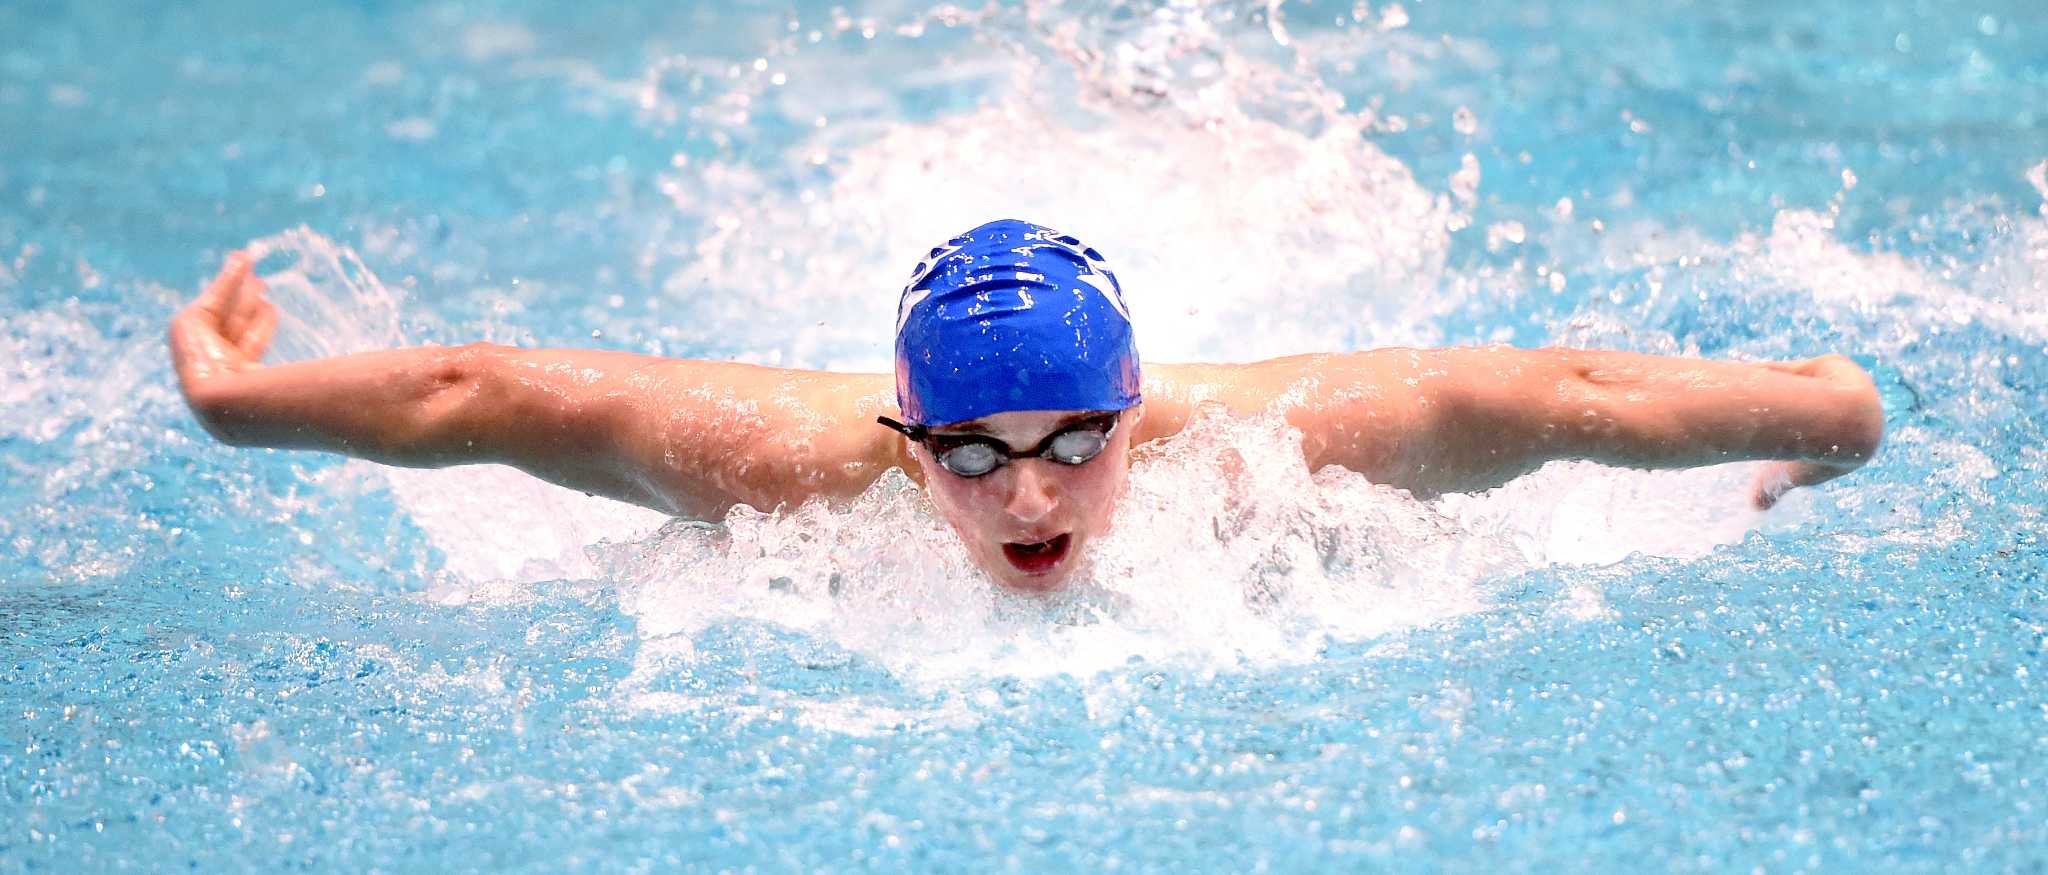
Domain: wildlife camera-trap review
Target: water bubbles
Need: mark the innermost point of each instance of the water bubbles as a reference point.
(1283, 560)
(750, 652)
(1465, 181)
(1502, 235)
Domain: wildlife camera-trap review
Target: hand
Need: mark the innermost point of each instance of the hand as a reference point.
(225, 330)
(1778, 478)
(1856, 394)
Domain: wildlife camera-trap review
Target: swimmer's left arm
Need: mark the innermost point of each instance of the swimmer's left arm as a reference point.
(1487, 415)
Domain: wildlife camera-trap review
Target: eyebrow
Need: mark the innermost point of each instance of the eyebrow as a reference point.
(979, 427)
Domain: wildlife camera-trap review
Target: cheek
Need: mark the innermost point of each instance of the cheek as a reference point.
(1095, 495)
(962, 502)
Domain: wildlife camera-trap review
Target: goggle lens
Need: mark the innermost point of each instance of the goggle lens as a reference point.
(970, 460)
(1076, 447)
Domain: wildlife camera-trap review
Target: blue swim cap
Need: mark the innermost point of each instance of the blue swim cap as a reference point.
(1011, 316)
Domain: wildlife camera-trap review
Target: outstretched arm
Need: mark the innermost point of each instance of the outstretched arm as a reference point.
(1504, 411)
(1466, 419)
(686, 437)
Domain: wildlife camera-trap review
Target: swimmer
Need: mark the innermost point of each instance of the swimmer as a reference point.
(1015, 404)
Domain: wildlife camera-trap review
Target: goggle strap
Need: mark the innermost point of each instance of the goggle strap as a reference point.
(913, 432)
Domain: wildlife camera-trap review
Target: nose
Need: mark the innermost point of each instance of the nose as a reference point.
(1033, 494)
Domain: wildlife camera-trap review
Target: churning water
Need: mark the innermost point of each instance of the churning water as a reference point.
(213, 658)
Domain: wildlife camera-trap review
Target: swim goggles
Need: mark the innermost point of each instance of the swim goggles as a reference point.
(973, 455)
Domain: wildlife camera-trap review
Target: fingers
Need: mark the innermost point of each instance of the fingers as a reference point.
(245, 303)
(228, 327)
(1770, 485)
(219, 293)
(1778, 478)
(255, 340)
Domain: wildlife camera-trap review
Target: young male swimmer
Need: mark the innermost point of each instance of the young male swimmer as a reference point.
(1017, 399)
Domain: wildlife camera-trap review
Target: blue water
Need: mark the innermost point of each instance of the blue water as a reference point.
(227, 659)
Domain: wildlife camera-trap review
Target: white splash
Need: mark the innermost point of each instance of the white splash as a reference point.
(1237, 202)
(491, 522)
(1242, 210)
(1225, 552)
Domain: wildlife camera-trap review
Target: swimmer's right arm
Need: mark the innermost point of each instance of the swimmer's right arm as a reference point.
(691, 438)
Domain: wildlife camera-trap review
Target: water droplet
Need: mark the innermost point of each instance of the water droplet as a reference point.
(1465, 182)
(1501, 235)
(1464, 121)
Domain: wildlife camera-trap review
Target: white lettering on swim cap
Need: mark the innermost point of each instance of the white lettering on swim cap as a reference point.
(912, 295)
(1108, 290)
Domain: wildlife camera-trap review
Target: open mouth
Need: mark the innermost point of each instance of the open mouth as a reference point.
(1039, 557)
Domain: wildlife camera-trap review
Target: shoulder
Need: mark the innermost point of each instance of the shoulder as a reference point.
(1290, 385)
(1356, 409)
(773, 436)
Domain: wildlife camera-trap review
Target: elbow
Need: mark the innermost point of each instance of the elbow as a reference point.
(444, 406)
(460, 370)
(427, 417)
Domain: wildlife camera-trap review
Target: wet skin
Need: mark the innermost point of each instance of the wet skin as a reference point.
(1027, 523)
(696, 438)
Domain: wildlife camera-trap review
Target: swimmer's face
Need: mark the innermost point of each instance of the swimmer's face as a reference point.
(1027, 522)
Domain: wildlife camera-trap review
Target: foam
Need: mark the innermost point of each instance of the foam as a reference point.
(491, 522)
(1317, 216)
(1225, 552)
(797, 261)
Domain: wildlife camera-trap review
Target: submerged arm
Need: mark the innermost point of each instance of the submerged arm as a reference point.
(685, 437)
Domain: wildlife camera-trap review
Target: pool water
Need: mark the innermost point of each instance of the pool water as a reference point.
(219, 659)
